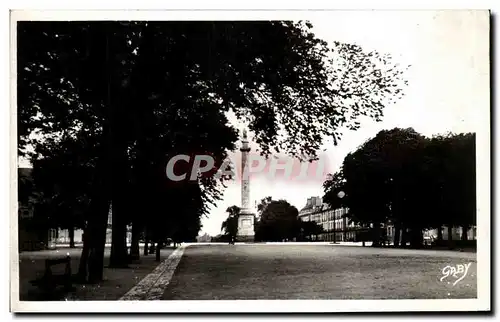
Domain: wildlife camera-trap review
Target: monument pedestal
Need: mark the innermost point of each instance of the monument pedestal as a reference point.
(246, 231)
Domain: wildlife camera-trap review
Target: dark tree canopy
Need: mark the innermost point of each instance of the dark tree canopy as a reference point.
(401, 177)
(230, 225)
(278, 221)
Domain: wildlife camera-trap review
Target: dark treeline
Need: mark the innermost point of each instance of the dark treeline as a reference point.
(103, 106)
(408, 180)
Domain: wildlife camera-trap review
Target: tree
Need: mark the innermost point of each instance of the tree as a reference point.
(403, 178)
(263, 204)
(332, 187)
(380, 181)
(450, 167)
(115, 81)
(310, 228)
(230, 225)
(61, 176)
(278, 221)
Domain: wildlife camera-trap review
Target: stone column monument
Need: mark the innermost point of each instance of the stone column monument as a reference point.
(246, 231)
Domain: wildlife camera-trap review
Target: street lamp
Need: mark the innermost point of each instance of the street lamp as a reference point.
(340, 194)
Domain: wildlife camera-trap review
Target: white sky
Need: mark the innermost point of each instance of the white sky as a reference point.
(448, 85)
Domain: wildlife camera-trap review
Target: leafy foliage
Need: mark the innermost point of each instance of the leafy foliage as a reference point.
(278, 221)
(309, 229)
(399, 176)
(230, 225)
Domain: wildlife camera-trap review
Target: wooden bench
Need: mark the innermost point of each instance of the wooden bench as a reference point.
(49, 281)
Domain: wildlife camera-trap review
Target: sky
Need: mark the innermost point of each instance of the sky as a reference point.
(448, 89)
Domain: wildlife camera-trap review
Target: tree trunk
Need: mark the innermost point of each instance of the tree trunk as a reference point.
(450, 236)
(94, 239)
(397, 234)
(440, 233)
(146, 250)
(100, 201)
(152, 247)
(97, 241)
(417, 238)
(404, 236)
(465, 228)
(376, 235)
(118, 257)
(117, 105)
(158, 248)
(71, 232)
(83, 268)
(134, 247)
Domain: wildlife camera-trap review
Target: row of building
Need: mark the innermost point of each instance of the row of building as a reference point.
(33, 233)
(337, 227)
(35, 238)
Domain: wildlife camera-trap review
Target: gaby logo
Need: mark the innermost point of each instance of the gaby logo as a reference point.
(459, 272)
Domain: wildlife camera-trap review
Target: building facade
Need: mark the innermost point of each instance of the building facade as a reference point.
(205, 238)
(335, 225)
(338, 228)
(431, 235)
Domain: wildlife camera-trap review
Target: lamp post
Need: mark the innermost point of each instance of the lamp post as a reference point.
(387, 235)
(340, 195)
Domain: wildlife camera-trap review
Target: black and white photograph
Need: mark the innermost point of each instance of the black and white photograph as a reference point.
(181, 160)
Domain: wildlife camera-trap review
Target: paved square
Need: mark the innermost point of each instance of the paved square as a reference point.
(232, 272)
